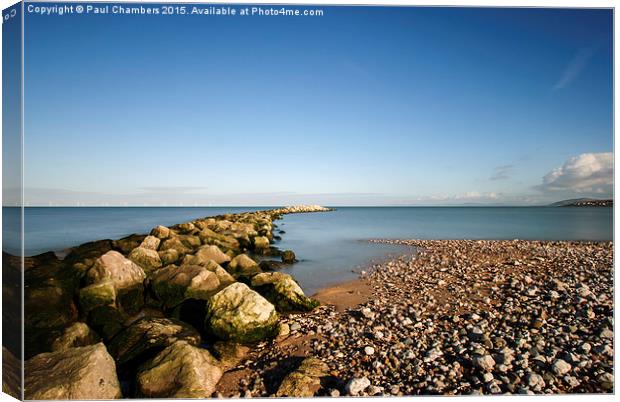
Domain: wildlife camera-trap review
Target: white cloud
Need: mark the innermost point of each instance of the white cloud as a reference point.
(591, 173)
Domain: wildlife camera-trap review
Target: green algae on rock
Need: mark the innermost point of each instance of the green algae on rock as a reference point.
(172, 285)
(238, 313)
(243, 266)
(305, 381)
(181, 370)
(282, 290)
(149, 334)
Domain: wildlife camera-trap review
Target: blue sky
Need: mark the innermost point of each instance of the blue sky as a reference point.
(363, 106)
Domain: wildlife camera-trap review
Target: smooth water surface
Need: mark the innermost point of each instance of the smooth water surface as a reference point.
(329, 245)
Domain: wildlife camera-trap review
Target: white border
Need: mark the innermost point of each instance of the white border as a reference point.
(479, 3)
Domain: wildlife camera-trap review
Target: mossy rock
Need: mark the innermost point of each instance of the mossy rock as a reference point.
(131, 299)
(305, 381)
(288, 257)
(239, 314)
(173, 285)
(179, 371)
(148, 336)
(146, 258)
(151, 243)
(206, 253)
(261, 243)
(106, 320)
(190, 241)
(187, 227)
(76, 335)
(126, 244)
(176, 244)
(169, 256)
(283, 291)
(243, 266)
(161, 232)
(230, 354)
(97, 295)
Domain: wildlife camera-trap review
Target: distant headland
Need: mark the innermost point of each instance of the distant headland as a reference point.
(584, 202)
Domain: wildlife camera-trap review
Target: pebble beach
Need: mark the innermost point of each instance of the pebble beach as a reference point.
(455, 317)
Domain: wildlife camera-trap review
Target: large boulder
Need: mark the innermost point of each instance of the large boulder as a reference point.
(174, 243)
(282, 290)
(238, 313)
(126, 244)
(305, 381)
(161, 232)
(288, 257)
(172, 285)
(147, 258)
(210, 252)
(179, 371)
(190, 241)
(168, 257)
(115, 292)
(87, 372)
(225, 241)
(98, 302)
(243, 266)
(223, 275)
(76, 335)
(261, 243)
(230, 354)
(151, 243)
(187, 227)
(150, 335)
(114, 266)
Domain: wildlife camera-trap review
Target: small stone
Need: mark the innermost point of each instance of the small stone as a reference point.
(369, 350)
(560, 367)
(355, 386)
(366, 312)
(487, 377)
(535, 381)
(373, 390)
(284, 330)
(485, 362)
(606, 381)
(295, 326)
(585, 347)
(606, 334)
(334, 393)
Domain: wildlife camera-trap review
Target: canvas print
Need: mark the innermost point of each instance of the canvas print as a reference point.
(266, 200)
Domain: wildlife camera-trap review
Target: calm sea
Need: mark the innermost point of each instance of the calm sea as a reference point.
(329, 245)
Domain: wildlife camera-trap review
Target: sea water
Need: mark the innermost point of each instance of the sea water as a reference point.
(332, 247)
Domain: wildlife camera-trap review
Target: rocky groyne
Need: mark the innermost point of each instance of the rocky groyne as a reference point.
(159, 315)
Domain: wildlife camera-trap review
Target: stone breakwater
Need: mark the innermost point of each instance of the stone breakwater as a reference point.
(456, 317)
(160, 315)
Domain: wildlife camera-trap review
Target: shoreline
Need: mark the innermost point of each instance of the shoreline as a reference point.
(522, 319)
(441, 317)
